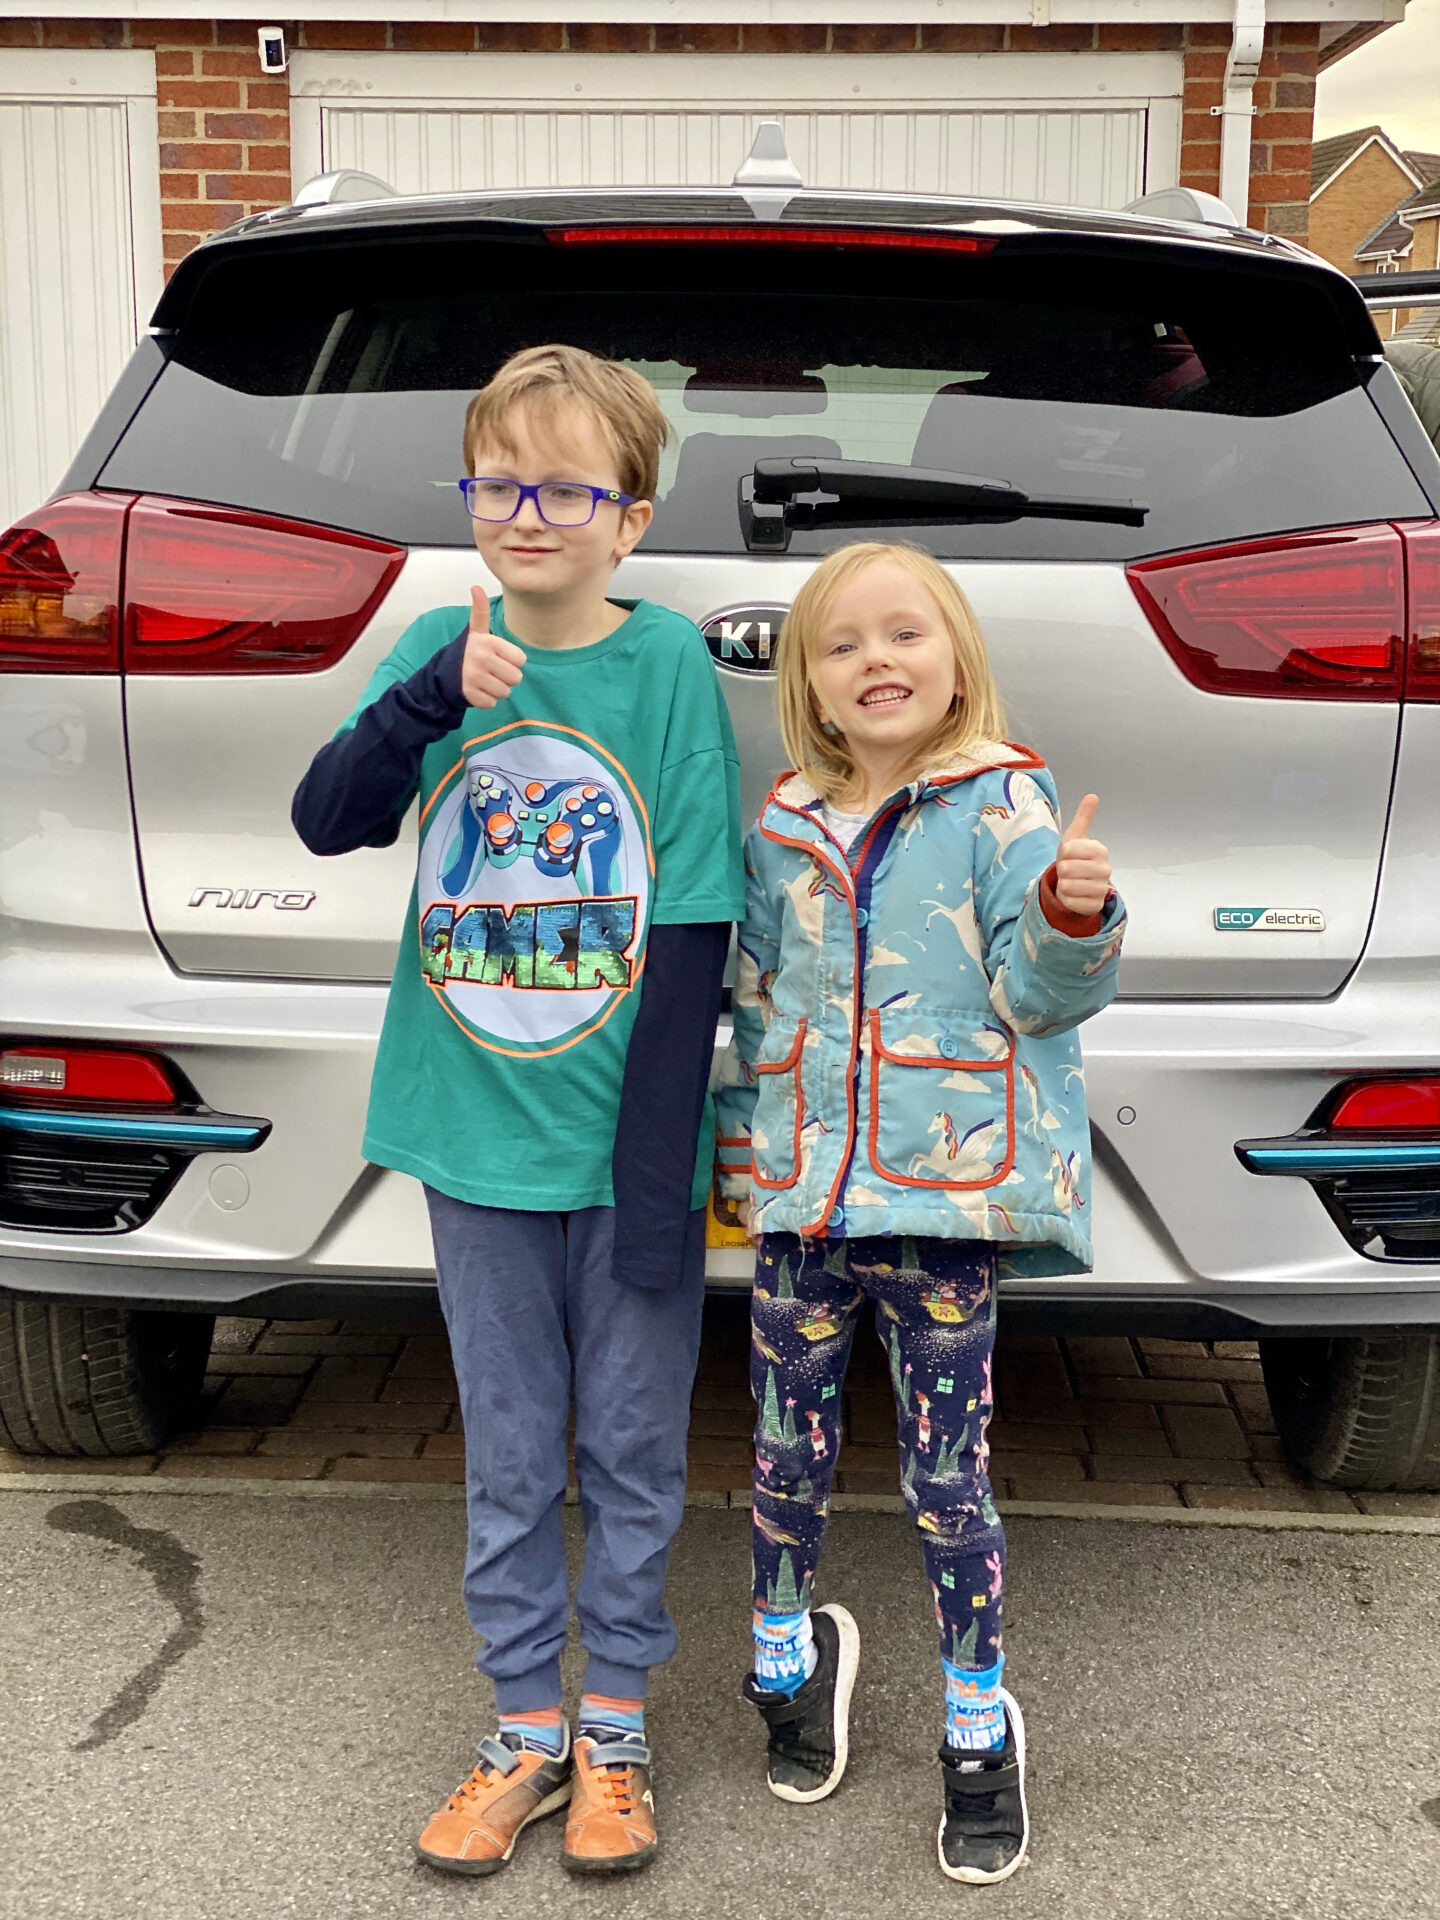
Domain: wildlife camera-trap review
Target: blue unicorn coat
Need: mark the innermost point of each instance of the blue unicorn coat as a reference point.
(905, 1057)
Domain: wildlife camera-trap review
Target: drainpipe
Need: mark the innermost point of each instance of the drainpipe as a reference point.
(1238, 109)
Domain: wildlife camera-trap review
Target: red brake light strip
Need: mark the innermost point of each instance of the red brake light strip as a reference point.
(768, 236)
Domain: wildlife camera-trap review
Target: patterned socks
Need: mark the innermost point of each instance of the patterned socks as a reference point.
(974, 1712)
(540, 1732)
(604, 1717)
(785, 1651)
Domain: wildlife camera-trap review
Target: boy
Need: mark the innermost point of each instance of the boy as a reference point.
(579, 825)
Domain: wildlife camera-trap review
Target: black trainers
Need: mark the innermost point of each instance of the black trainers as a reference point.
(810, 1734)
(985, 1827)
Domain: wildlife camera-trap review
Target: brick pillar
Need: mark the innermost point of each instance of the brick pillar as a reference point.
(224, 128)
(1283, 131)
(1280, 134)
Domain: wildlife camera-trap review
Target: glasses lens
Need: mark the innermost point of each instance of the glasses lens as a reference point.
(565, 506)
(492, 499)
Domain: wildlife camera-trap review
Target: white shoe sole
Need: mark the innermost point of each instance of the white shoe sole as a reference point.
(847, 1663)
(972, 1876)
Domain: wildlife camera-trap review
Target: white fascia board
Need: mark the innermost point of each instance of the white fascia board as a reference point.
(793, 80)
(729, 12)
(31, 73)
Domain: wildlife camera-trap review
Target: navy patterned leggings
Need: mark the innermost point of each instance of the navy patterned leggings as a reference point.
(935, 1315)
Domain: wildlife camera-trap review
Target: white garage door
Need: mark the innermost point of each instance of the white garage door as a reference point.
(79, 250)
(1087, 129)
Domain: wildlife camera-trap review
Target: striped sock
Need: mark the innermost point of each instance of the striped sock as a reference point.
(539, 1732)
(604, 1717)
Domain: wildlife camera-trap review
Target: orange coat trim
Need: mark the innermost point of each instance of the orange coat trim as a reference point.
(1005, 1066)
(790, 1064)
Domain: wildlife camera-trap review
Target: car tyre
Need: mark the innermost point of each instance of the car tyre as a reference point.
(90, 1380)
(1359, 1414)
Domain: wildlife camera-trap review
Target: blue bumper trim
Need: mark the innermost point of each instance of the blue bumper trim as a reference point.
(1325, 1158)
(191, 1136)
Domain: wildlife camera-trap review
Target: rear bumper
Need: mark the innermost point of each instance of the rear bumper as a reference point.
(1068, 1307)
(1186, 1240)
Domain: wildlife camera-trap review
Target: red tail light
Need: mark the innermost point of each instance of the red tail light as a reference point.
(1390, 1106)
(777, 236)
(85, 1073)
(60, 586)
(1422, 566)
(1309, 617)
(212, 590)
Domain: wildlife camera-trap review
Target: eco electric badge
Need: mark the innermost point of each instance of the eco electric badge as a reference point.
(1269, 920)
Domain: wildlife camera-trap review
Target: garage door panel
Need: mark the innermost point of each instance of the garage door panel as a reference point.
(79, 249)
(67, 310)
(1089, 156)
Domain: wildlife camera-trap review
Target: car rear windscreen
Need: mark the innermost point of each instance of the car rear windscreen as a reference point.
(331, 385)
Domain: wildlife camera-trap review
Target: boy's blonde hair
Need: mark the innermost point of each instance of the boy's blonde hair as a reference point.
(547, 381)
(976, 713)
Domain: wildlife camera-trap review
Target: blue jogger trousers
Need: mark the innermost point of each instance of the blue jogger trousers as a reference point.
(533, 1310)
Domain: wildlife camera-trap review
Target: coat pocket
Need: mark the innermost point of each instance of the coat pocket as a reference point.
(779, 1111)
(939, 1118)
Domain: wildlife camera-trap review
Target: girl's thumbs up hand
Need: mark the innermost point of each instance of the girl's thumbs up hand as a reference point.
(1082, 866)
(492, 666)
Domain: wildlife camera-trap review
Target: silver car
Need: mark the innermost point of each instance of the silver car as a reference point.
(1197, 518)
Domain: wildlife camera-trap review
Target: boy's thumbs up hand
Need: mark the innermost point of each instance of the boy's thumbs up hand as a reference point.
(1082, 866)
(492, 666)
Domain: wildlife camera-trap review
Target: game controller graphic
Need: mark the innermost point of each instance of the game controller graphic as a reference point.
(554, 823)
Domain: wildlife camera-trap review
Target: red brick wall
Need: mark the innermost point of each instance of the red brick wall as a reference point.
(225, 129)
(1281, 132)
(224, 125)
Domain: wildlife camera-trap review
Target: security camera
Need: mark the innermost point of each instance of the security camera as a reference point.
(273, 58)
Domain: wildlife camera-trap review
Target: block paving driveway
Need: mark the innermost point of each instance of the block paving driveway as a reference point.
(1168, 1423)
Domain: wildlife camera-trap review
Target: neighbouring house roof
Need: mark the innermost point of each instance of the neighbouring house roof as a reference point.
(1424, 329)
(1392, 237)
(1424, 205)
(1427, 165)
(1329, 158)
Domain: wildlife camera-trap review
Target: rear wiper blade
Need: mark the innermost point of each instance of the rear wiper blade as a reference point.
(770, 506)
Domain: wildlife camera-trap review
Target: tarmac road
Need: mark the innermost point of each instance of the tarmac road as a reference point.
(243, 1707)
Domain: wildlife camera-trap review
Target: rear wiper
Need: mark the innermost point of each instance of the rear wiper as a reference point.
(863, 491)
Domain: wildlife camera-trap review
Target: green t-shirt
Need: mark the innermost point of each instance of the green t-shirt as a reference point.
(599, 800)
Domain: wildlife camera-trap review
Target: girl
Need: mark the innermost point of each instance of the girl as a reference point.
(904, 1118)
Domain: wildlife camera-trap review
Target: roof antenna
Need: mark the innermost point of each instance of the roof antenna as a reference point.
(768, 179)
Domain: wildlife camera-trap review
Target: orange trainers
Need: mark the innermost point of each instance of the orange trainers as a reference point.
(611, 1826)
(476, 1830)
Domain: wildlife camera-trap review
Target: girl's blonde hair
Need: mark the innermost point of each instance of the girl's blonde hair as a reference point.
(976, 713)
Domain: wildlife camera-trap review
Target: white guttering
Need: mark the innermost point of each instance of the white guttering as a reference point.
(1331, 13)
(1238, 107)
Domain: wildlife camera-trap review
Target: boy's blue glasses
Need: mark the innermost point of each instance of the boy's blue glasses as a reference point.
(559, 503)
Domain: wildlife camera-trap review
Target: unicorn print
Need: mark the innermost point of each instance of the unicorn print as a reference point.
(1065, 1180)
(958, 1156)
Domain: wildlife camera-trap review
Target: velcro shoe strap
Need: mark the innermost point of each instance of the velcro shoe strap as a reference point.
(494, 1753)
(620, 1753)
(985, 1780)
